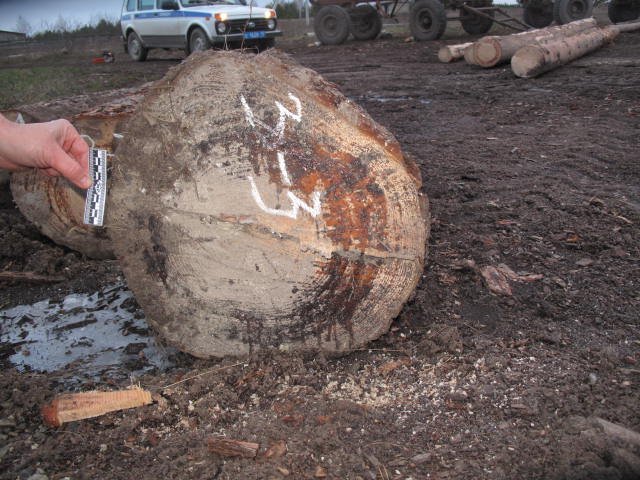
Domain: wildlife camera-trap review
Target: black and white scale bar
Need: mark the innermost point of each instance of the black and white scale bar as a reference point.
(97, 192)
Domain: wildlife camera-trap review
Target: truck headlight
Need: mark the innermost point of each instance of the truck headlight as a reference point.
(270, 14)
(221, 27)
(271, 24)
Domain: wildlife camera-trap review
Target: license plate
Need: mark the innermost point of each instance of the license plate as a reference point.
(249, 35)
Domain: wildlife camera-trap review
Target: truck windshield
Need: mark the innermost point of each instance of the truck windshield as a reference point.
(193, 3)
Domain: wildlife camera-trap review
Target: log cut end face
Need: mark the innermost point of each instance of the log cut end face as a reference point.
(260, 208)
(56, 208)
(53, 204)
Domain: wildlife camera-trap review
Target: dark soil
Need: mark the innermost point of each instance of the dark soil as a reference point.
(540, 175)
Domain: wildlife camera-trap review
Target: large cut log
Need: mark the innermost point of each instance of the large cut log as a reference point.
(533, 60)
(53, 204)
(451, 53)
(493, 50)
(261, 209)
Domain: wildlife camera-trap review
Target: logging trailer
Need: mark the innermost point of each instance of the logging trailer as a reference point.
(335, 20)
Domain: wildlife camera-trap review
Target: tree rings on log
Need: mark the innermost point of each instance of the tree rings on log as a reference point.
(54, 205)
(261, 209)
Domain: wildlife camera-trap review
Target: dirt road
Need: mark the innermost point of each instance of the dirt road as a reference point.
(539, 175)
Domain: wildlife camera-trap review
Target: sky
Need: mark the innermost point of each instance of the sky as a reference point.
(41, 12)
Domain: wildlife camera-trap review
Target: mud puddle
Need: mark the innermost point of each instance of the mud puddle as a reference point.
(104, 333)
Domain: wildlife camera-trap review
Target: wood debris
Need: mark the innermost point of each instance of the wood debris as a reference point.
(498, 278)
(227, 447)
(70, 407)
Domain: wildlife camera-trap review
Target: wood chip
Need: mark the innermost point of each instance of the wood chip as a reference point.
(389, 367)
(277, 450)
(70, 407)
(227, 447)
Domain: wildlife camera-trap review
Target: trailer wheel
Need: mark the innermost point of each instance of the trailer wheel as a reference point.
(567, 11)
(427, 20)
(475, 24)
(366, 23)
(331, 25)
(623, 11)
(538, 16)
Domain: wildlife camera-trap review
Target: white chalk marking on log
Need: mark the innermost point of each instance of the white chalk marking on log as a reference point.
(296, 203)
(283, 170)
(278, 132)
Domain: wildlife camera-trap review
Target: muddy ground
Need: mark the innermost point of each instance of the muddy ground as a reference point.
(540, 175)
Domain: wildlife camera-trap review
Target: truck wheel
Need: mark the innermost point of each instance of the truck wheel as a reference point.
(538, 16)
(475, 24)
(366, 24)
(567, 11)
(136, 50)
(198, 41)
(623, 11)
(331, 25)
(427, 20)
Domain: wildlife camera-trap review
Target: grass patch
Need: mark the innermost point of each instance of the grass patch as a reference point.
(21, 86)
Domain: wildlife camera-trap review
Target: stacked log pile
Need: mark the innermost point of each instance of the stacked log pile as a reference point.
(537, 51)
(252, 206)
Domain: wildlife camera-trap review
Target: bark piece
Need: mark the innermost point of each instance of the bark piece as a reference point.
(451, 53)
(533, 60)
(70, 407)
(493, 50)
(227, 447)
(261, 209)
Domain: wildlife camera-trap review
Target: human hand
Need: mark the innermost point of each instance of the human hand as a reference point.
(53, 147)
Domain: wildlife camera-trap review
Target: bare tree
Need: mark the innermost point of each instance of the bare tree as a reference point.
(23, 26)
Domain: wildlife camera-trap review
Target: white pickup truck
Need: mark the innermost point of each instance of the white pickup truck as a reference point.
(195, 25)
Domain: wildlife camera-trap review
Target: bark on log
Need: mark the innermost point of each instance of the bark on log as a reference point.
(451, 53)
(54, 205)
(261, 209)
(533, 60)
(491, 51)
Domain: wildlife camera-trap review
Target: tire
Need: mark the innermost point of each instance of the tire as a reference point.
(198, 41)
(266, 44)
(427, 20)
(331, 25)
(538, 16)
(623, 11)
(365, 21)
(475, 24)
(137, 51)
(567, 11)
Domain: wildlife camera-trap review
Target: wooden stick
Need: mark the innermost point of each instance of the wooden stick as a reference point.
(491, 51)
(533, 60)
(228, 447)
(70, 407)
(451, 53)
(29, 277)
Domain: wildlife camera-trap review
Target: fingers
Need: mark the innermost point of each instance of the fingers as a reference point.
(70, 168)
(75, 145)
